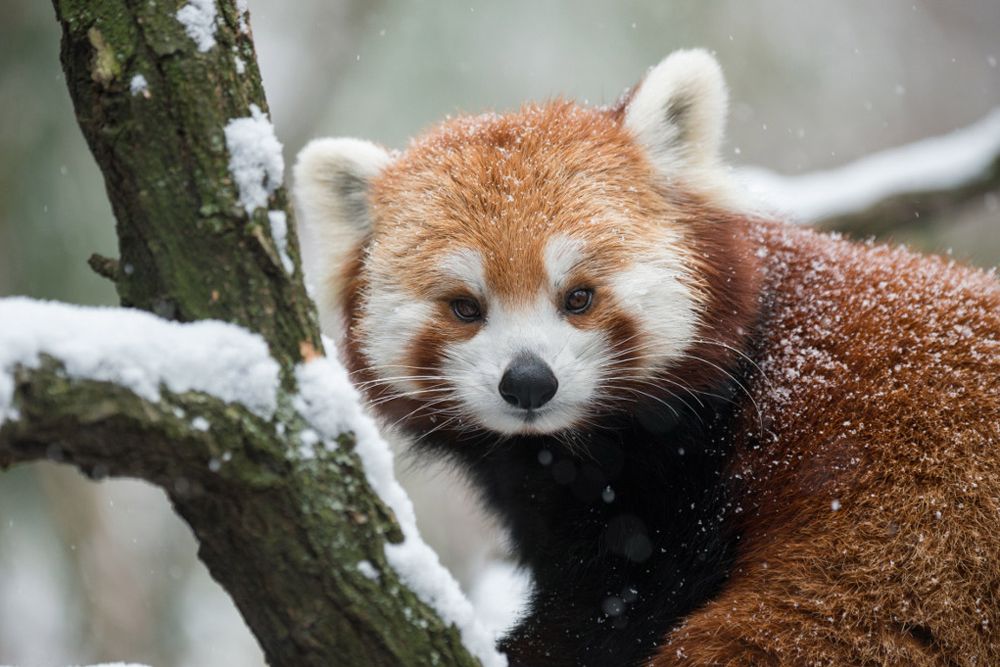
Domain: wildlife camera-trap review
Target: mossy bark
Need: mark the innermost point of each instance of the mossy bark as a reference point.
(188, 249)
(281, 532)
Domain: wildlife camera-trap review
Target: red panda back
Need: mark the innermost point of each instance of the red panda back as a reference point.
(872, 502)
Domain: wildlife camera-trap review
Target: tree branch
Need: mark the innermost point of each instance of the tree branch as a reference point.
(916, 185)
(278, 498)
(918, 209)
(282, 511)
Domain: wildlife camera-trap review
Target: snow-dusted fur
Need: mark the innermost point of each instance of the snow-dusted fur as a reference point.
(767, 445)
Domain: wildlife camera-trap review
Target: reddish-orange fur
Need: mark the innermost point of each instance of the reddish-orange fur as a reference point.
(870, 465)
(880, 394)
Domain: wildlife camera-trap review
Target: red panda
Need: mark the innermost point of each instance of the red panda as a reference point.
(714, 439)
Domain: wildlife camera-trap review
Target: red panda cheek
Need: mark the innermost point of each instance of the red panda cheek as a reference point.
(622, 334)
(609, 317)
(425, 352)
(620, 330)
(424, 355)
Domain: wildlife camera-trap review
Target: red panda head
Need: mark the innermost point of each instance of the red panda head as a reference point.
(527, 273)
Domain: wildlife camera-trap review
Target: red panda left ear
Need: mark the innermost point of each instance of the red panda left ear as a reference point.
(332, 179)
(678, 112)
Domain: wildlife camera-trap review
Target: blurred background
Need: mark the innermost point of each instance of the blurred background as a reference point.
(93, 572)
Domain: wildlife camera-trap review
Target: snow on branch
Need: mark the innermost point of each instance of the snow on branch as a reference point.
(935, 164)
(143, 354)
(137, 351)
(198, 18)
(255, 159)
(332, 405)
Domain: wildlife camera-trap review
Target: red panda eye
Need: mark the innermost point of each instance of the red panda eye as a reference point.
(467, 310)
(578, 300)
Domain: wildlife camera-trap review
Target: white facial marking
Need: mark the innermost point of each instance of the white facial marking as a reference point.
(562, 254)
(466, 265)
(665, 307)
(651, 288)
(474, 367)
(392, 320)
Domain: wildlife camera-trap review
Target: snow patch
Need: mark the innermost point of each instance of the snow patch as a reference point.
(255, 160)
(243, 8)
(279, 232)
(308, 439)
(138, 85)
(198, 17)
(931, 164)
(332, 406)
(368, 570)
(137, 351)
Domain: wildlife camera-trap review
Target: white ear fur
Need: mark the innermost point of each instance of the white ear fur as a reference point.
(332, 178)
(678, 113)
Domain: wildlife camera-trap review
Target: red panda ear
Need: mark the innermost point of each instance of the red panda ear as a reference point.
(332, 179)
(678, 112)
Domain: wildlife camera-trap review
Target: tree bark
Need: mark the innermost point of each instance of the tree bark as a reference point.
(918, 210)
(188, 249)
(281, 533)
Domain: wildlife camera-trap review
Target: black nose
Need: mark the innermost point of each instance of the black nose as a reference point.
(528, 382)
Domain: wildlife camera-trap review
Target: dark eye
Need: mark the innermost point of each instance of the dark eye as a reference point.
(578, 300)
(467, 310)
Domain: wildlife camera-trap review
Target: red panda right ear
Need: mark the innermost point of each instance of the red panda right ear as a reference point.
(678, 112)
(332, 179)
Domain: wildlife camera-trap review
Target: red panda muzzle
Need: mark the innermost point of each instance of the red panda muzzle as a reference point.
(528, 383)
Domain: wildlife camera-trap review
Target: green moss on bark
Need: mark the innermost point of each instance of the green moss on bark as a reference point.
(188, 249)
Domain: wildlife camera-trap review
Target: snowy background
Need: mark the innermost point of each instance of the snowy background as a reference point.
(95, 572)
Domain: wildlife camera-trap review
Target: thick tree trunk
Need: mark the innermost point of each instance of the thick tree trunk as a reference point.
(283, 533)
(189, 250)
